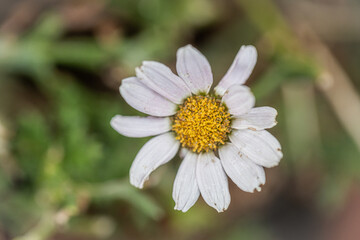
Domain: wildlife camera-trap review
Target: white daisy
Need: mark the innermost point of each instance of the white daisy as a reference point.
(220, 134)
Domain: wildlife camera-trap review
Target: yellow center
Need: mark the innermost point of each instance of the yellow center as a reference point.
(202, 123)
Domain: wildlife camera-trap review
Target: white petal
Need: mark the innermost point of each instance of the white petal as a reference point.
(156, 152)
(186, 191)
(240, 69)
(144, 99)
(162, 80)
(212, 181)
(183, 152)
(239, 99)
(260, 146)
(246, 174)
(194, 68)
(140, 126)
(256, 119)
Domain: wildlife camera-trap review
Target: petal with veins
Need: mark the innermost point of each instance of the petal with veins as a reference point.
(246, 174)
(239, 99)
(156, 152)
(144, 99)
(186, 191)
(162, 80)
(135, 126)
(194, 68)
(239, 70)
(259, 118)
(260, 146)
(212, 181)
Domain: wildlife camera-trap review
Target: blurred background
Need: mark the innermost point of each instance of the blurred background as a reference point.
(64, 171)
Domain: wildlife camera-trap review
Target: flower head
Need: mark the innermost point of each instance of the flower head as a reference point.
(220, 134)
(202, 123)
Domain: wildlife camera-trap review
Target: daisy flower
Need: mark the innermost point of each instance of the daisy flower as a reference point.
(220, 134)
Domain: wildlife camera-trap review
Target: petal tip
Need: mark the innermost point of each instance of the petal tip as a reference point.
(221, 210)
(180, 209)
(187, 46)
(139, 72)
(113, 121)
(136, 184)
(146, 63)
(249, 48)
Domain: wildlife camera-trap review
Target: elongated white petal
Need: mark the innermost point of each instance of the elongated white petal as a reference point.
(194, 68)
(260, 146)
(186, 191)
(144, 99)
(212, 181)
(239, 70)
(162, 80)
(156, 152)
(256, 119)
(239, 99)
(246, 174)
(140, 126)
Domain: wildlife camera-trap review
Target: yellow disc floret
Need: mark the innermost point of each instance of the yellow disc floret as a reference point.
(202, 123)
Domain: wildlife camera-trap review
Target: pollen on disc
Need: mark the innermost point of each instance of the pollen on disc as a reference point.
(202, 123)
